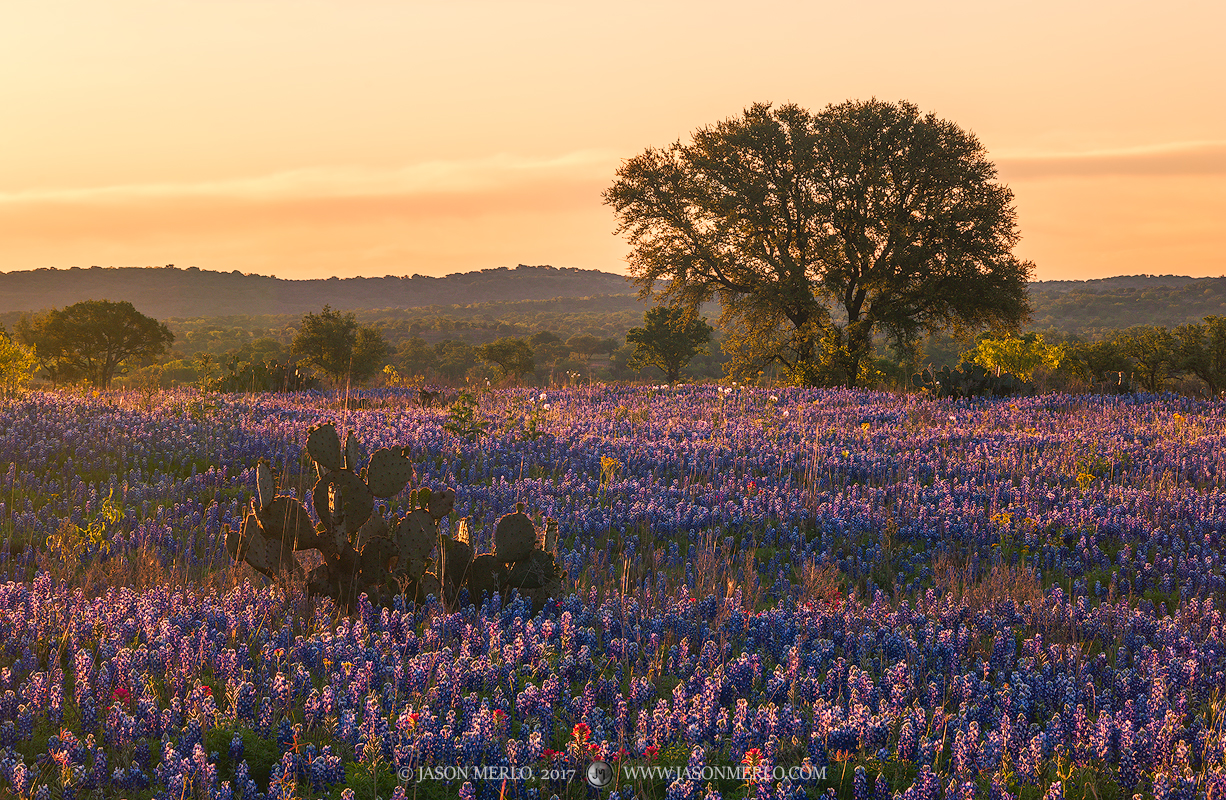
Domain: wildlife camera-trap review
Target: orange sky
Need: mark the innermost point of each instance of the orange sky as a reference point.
(311, 138)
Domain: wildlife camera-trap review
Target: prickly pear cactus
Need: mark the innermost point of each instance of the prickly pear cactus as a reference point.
(389, 472)
(515, 536)
(362, 552)
(324, 446)
(415, 537)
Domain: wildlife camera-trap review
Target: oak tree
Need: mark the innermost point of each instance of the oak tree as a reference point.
(669, 339)
(512, 356)
(94, 339)
(335, 344)
(1202, 351)
(816, 230)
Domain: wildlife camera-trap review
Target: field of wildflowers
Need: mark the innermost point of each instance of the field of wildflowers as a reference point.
(838, 593)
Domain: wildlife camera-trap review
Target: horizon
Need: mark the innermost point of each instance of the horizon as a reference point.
(306, 141)
(191, 267)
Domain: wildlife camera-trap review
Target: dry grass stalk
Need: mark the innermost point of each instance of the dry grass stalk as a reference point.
(820, 585)
(1021, 584)
(709, 569)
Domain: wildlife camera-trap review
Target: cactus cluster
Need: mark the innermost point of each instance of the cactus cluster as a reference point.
(364, 553)
(970, 381)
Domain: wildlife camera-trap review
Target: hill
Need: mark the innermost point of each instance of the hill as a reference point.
(1089, 309)
(479, 306)
(171, 292)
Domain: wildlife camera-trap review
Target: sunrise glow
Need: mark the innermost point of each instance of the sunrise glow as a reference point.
(312, 139)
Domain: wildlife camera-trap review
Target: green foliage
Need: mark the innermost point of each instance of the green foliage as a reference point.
(1202, 351)
(336, 345)
(815, 231)
(527, 423)
(415, 357)
(73, 544)
(262, 376)
(1102, 365)
(463, 418)
(94, 339)
(454, 359)
(1017, 355)
(512, 356)
(1153, 351)
(17, 363)
(668, 340)
(584, 345)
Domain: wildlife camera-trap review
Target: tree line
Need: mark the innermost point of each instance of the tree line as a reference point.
(96, 342)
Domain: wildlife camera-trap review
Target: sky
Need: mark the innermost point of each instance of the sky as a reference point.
(319, 138)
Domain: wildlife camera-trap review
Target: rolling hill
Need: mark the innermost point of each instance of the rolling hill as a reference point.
(171, 292)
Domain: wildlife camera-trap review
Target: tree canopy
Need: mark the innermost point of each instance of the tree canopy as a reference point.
(816, 230)
(511, 355)
(336, 345)
(669, 339)
(16, 364)
(1154, 352)
(1202, 351)
(1017, 355)
(93, 339)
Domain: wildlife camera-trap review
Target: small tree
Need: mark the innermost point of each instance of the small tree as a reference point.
(584, 345)
(94, 339)
(669, 339)
(512, 356)
(370, 351)
(1152, 350)
(336, 345)
(1016, 355)
(1096, 362)
(454, 358)
(17, 364)
(415, 357)
(1202, 351)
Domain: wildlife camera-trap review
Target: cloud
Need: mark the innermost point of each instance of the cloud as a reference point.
(497, 173)
(433, 218)
(1179, 158)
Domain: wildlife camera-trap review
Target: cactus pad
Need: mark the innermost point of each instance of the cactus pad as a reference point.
(533, 572)
(428, 585)
(318, 580)
(441, 503)
(324, 446)
(265, 486)
(375, 559)
(388, 472)
(343, 502)
(287, 521)
(363, 553)
(267, 556)
(456, 557)
(355, 453)
(514, 537)
(374, 527)
(414, 539)
(485, 577)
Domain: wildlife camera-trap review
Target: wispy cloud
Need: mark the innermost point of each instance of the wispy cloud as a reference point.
(1178, 158)
(434, 218)
(431, 178)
